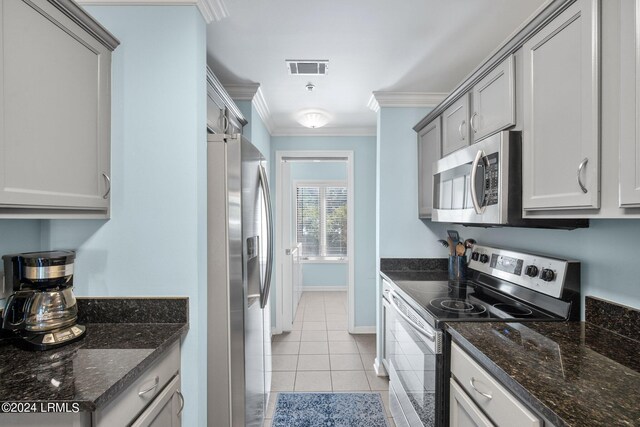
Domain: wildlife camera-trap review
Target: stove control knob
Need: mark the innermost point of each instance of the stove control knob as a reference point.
(531, 271)
(547, 275)
(475, 256)
(484, 258)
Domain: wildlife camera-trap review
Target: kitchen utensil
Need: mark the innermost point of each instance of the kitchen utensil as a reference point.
(443, 243)
(469, 243)
(450, 246)
(460, 249)
(455, 237)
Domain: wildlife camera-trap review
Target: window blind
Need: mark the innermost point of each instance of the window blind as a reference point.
(321, 220)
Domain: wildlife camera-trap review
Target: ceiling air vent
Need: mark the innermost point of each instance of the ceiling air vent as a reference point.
(308, 67)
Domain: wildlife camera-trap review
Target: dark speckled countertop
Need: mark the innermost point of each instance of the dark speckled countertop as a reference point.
(92, 371)
(574, 374)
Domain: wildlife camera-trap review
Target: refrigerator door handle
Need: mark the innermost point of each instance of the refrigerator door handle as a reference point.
(268, 270)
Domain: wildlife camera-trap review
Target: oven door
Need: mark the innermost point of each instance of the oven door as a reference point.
(470, 185)
(413, 348)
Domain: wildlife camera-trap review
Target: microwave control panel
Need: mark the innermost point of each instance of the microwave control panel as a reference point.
(491, 180)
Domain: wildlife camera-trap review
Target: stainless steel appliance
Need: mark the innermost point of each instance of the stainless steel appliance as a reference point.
(239, 262)
(482, 184)
(503, 285)
(41, 310)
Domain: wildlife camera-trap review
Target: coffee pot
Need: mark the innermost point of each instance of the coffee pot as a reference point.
(41, 310)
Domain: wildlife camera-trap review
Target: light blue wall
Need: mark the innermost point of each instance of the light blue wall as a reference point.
(401, 234)
(323, 274)
(155, 242)
(364, 149)
(320, 171)
(607, 249)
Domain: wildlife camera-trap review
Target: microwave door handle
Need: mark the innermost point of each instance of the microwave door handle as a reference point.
(474, 171)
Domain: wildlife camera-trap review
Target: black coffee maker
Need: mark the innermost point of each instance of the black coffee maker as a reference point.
(41, 310)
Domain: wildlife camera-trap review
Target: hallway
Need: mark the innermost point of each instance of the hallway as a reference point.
(319, 355)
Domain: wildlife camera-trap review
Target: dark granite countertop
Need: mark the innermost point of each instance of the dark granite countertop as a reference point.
(92, 371)
(574, 373)
(417, 269)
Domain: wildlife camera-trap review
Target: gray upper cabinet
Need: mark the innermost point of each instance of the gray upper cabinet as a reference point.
(429, 151)
(630, 109)
(223, 115)
(54, 109)
(561, 132)
(455, 126)
(493, 101)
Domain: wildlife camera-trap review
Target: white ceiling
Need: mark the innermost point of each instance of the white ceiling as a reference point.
(371, 45)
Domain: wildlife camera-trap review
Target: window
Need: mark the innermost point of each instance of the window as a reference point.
(321, 220)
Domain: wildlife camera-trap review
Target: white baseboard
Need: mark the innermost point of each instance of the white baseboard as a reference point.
(364, 330)
(324, 289)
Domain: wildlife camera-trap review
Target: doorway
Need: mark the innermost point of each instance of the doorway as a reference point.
(314, 242)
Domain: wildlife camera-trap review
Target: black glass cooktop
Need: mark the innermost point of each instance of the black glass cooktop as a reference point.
(467, 301)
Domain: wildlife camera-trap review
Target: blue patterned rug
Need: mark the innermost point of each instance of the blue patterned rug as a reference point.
(329, 409)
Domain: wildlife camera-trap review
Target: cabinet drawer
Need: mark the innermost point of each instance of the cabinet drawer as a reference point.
(126, 406)
(491, 397)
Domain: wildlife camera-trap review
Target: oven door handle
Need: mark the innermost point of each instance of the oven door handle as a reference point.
(430, 336)
(474, 197)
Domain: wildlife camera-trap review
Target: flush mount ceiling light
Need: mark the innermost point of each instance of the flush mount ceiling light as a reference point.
(313, 118)
(310, 87)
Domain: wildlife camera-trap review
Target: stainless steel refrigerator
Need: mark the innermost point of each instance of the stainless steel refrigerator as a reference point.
(240, 258)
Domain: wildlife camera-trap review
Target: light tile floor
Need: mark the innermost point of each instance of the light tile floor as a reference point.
(320, 355)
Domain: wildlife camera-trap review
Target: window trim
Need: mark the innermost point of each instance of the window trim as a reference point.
(322, 184)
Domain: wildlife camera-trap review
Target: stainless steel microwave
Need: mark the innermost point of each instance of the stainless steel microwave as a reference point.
(482, 185)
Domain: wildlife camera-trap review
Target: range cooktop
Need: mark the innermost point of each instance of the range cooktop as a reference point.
(466, 301)
(502, 285)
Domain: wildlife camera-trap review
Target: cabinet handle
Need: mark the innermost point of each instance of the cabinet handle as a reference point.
(107, 181)
(580, 167)
(156, 381)
(226, 122)
(460, 129)
(181, 402)
(487, 395)
(471, 122)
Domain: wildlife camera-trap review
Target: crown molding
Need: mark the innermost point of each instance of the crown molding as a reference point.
(325, 131)
(262, 108)
(380, 99)
(211, 10)
(243, 92)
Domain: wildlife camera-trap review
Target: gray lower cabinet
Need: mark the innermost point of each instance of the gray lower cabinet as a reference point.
(429, 151)
(477, 399)
(455, 126)
(153, 397)
(54, 108)
(493, 100)
(561, 103)
(630, 109)
(463, 412)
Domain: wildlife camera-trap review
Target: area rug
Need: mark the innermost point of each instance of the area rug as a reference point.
(329, 409)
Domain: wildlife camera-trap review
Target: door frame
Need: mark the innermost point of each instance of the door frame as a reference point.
(280, 248)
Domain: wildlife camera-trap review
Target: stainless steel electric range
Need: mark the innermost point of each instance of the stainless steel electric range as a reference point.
(502, 285)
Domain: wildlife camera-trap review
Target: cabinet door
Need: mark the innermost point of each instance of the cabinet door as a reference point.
(455, 126)
(462, 411)
(561, 141)
(429, 149)
(630, 111)
(494, 101)
(165, 410)
(55, 109)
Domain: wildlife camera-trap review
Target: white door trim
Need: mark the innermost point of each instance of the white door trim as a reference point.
(280, 244)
